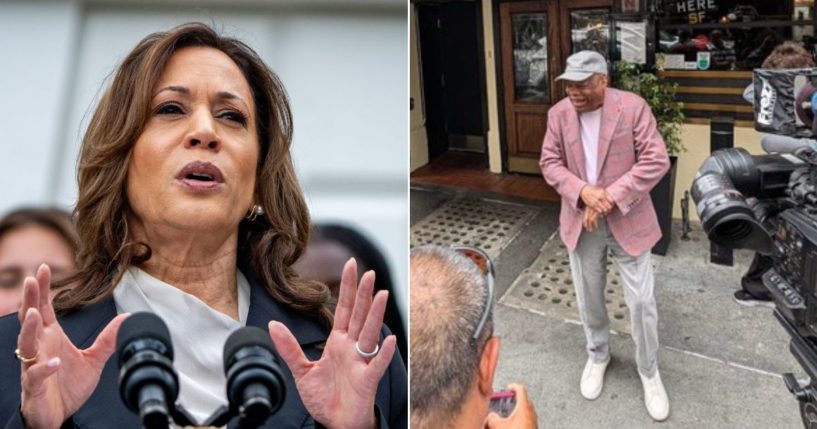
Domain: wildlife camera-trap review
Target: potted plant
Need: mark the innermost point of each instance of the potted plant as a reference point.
(660, 96)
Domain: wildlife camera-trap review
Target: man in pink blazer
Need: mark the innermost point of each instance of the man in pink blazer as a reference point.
(603, 154)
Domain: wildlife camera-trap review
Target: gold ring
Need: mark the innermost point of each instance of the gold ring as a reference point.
(24, 359)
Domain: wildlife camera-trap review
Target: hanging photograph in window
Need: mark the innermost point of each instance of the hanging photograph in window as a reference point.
(631, 38)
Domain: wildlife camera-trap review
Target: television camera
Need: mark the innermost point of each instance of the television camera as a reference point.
(768, 203)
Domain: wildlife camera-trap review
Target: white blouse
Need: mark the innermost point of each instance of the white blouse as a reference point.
(198, 333)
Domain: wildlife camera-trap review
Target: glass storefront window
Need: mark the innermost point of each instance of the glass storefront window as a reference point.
(530, 57)
(730, 34)
(728, 49)
(590, 30)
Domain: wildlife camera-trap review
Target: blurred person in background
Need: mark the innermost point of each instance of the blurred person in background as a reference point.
(330, 246)
(787, 55)
(454, 353)
(30, 237)
(189, 208)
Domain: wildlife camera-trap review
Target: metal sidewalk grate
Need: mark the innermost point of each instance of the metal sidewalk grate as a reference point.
(546, 287)
(487, 224)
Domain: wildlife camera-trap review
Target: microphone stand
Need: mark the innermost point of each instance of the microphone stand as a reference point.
(223, 415)
(220, 417)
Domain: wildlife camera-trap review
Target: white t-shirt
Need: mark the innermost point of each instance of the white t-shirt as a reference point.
(590, 124)
(198, 333)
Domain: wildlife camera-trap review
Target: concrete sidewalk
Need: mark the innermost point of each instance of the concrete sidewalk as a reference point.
(720, 362)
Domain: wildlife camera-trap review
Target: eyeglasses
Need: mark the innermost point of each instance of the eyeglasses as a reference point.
(483, 262)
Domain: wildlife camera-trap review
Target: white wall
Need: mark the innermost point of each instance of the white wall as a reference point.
(36, 45)
(492, 93)
(344, 66)
(418, 140)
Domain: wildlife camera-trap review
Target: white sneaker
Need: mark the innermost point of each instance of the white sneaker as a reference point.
(655, 397)
(593, 378)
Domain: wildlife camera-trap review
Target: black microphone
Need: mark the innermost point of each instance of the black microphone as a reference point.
(148, 383)
(255, 384)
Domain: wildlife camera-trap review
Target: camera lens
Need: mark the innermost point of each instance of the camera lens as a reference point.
(733, 230)
(727, 218)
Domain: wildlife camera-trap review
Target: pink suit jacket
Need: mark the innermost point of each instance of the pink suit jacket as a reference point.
(632, 158)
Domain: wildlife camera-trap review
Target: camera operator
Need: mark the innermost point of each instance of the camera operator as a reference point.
(453, 356)
(788, 55)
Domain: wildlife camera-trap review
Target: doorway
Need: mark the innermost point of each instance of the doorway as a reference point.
(535, 39)
(453, 78)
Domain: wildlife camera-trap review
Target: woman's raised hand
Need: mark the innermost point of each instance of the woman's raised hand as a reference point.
(56, 377)
(339, 389)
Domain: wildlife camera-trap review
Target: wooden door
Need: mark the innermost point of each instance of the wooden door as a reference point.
(537, 37)
(529, 54)
(584, 25)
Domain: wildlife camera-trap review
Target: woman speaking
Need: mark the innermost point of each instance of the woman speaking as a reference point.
(189, 208)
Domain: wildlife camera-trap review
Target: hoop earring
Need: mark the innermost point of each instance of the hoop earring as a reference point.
(253, 213)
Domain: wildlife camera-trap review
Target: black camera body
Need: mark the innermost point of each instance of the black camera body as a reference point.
(768, 203)
(792, 279)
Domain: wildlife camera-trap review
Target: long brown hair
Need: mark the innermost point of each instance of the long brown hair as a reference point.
(270, 244)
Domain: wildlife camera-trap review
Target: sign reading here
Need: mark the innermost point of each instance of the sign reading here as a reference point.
(695, 9)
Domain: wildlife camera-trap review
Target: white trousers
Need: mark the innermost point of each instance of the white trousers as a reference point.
(588, 266)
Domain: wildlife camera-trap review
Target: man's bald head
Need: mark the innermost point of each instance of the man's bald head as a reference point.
(448, 294)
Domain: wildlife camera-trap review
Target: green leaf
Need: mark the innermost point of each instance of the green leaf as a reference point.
(660, 96)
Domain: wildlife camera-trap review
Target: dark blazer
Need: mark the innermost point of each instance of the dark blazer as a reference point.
(105, 410)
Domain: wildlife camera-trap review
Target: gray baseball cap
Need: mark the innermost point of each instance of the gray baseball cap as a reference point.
(582, 65)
